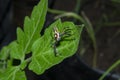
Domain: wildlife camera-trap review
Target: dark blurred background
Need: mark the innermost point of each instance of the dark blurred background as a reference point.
(104, 16)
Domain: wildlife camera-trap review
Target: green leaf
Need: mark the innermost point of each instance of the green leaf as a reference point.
(15, 51)
(4, 53)
(31, 31)
(13, 73)
(2, 66)
(33, 26)
(43, 53)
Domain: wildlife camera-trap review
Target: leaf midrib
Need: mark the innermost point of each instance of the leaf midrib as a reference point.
(50, 51)
(13, 73)
(33, 32)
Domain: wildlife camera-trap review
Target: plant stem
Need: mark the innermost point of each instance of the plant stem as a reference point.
(65, 14)
(77, 8)
(56, 11)
(91, 33)
(112, 24)
(110, 69)
(70, 14)
(28, 59)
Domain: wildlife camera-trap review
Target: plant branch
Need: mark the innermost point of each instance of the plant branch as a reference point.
(112, 24)
(110, 69)
(66, 14)
(28, 59)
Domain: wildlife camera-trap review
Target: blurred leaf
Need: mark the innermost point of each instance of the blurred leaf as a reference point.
(117, 1)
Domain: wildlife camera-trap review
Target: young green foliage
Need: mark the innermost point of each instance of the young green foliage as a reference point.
(43, 53)
(32, 29)
(22, 46)
(30, 40)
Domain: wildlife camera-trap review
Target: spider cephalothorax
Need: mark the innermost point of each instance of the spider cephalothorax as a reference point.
(58, 36)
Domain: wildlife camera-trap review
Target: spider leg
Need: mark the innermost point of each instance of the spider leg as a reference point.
(55, 49)
(67, 29)
(66, 32)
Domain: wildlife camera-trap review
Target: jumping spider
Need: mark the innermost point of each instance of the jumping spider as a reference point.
(59, 36)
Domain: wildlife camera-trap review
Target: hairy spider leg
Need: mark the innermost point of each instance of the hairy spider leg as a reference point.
(66, 32)
(55, 48)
